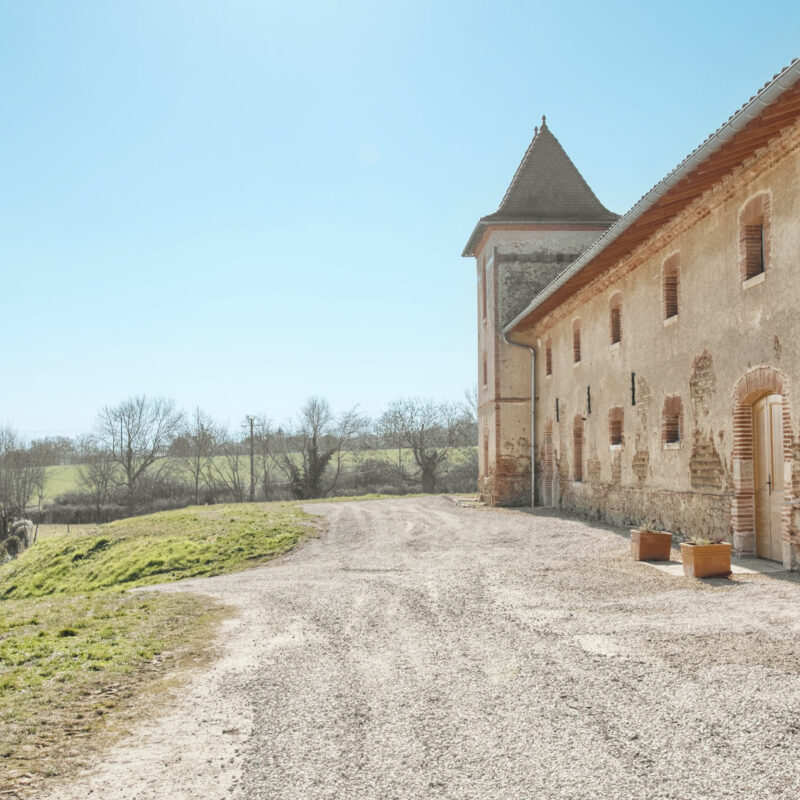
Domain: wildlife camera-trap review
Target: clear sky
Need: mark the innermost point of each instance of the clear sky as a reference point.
(239, 204)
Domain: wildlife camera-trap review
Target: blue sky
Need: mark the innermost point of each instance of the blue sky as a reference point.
(241, 204)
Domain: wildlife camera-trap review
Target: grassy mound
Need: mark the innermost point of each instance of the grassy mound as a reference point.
(199, 540)
(75, 645)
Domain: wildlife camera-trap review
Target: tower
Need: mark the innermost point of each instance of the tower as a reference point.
(547, 218)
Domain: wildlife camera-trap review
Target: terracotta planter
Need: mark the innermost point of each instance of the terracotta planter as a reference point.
(706, 560)
(650, 545)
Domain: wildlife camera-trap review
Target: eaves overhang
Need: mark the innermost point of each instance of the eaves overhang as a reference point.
(763, 117)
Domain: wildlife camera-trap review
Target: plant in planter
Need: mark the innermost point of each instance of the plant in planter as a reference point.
(706, 558)
(650, 545)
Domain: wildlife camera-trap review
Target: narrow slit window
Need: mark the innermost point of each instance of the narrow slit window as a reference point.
(576, 341)
(616, 319)
(615, 424)
(671, 288)
(548, 358)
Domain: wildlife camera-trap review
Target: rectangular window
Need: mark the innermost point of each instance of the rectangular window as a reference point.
(548, 359)
(615, 318)
(576, 341)
(615, 425)
(754, 249)
(670, 295)
(672, 429)
(672, 420)
(577, 442)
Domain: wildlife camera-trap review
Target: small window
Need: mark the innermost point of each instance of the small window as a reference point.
(754, 249)
(576, 341)
(615, 424)
(672, 421)
(670, 282)
(548, 358)
(577, 449)
(616, 319)
(754, 220)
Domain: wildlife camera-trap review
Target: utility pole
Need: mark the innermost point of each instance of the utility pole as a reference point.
(251, 420)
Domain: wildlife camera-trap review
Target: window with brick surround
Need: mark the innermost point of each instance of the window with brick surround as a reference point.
(576, 341)
(754, 248)
(672, 421)
(615, 424)
(670, 282)
(615, 318)
(754, 221)
(577, 449)
(548, 358)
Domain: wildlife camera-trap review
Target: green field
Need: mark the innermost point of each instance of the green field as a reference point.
(65, 478)
(74, 645)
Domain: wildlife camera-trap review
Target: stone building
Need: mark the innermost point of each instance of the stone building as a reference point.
(665, 345)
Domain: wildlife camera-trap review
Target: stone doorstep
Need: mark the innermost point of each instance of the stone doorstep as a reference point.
(739, 566)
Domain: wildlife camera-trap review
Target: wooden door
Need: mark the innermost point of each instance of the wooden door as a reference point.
(768, 475)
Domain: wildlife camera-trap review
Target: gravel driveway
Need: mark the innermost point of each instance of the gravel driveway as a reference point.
(418, 649)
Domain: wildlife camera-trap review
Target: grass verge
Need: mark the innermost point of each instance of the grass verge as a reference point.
(75, 646)
(189, 542)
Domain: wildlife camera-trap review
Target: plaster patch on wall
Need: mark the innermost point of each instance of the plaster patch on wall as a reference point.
(641, 463)
(796, 467)
(641, 456)
(593, 468)
(777, 347)
(644, 398)
(702, 384)
(705, 465)
(616, 467)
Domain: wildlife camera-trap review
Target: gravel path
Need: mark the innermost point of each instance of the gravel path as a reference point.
(418, 649)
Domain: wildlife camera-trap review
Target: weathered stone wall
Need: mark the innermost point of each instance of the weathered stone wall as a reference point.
(521, 277)
(515, 265)
(726, 329)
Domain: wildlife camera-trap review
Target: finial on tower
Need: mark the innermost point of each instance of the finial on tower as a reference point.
(544, 121)
(535, 130)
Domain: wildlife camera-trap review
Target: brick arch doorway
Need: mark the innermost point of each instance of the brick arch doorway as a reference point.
(762, 465)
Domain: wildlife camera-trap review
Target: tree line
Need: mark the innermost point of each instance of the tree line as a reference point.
(145, 454)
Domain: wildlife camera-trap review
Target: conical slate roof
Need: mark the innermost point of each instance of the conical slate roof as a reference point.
(546, 188)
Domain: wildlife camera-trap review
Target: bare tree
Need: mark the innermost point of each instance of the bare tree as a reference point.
(231, 467)
(310, 453)
(264, 463)
(97, 472)
(428, 429)
(469, 414)
(137, 434)
(196, 446)
(22, 475)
